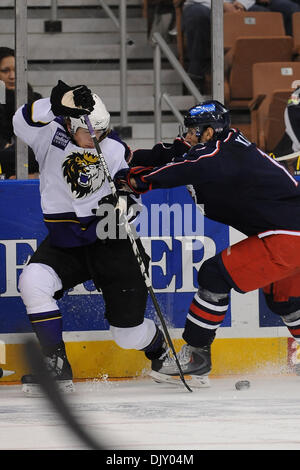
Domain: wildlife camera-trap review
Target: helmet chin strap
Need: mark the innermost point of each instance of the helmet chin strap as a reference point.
(199, 133)
(105, 133)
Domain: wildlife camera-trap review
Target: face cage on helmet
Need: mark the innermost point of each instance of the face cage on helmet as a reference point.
(183, 130)
(82, 125)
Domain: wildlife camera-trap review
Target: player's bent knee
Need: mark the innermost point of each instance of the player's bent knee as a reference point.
(37, 285)
(136, 337)
(211, 278)
(125, 307)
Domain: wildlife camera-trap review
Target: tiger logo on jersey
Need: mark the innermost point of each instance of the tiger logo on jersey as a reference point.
(83, 173)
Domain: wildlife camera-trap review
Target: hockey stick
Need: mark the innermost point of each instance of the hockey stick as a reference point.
(135, 247)
(289, 156)
(48, 385)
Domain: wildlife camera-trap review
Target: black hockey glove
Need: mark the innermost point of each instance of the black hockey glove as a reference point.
(123, 177)
(180, 147)
(160, 154)
(71, 101)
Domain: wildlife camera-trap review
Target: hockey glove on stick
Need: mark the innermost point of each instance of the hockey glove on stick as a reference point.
(71, 101)
(132, 179)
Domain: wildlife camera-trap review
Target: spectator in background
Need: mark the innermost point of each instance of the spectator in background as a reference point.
(290, 141)
(7, 110)
(196, 21)
(286, 7)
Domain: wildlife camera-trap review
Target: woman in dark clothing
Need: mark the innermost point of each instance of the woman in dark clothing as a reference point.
(7, 110)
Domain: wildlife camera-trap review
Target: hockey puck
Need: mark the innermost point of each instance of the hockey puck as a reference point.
(242, 385)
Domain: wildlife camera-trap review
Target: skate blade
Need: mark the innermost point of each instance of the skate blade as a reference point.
(6, 373)
(34, 390)
(199, 381)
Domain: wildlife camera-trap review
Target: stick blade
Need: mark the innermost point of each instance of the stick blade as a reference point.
(6, 373)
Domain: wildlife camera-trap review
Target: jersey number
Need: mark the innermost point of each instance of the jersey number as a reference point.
(242, 140)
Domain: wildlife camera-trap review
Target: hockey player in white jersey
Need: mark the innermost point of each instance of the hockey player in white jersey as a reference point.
(72, 183)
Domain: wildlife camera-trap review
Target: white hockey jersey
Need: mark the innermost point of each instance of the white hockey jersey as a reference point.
(72, 181)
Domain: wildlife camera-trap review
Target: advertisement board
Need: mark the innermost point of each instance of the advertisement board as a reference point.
(177, 237)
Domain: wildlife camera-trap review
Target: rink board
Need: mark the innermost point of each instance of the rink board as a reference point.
(250, 338)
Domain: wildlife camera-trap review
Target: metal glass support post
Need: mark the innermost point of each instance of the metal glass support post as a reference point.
(21, 80)
(123, 63)
(217, 49)
(2, 92)
(2, 101)
(53, 10)
(124, 129)
(157, 92)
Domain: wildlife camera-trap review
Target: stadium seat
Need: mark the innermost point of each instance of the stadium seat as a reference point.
(254, 23)
(296, 33)
(273, 83)
(247, 51)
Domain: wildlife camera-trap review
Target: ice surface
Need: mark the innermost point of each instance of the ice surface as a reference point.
(141, 414)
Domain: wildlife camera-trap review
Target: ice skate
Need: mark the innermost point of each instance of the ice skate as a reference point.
(59, 367)
(195, 364)
(5, 373)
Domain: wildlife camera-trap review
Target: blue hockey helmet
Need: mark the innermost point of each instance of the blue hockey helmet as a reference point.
(208, 114)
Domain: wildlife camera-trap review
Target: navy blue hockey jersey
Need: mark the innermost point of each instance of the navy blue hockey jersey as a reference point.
(238, 184)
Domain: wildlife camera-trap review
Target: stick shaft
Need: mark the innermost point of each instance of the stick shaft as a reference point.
(49, 386)
(289, 156)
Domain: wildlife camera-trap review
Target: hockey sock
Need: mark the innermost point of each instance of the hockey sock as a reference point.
(157, 346)
(206, 313)
(292, 322)
(48, 328)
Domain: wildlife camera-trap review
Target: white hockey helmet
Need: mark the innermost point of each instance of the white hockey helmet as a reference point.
(99, 117)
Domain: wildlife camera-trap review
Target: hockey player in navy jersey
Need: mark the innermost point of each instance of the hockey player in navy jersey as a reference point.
(245, 188)
(72, 183)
